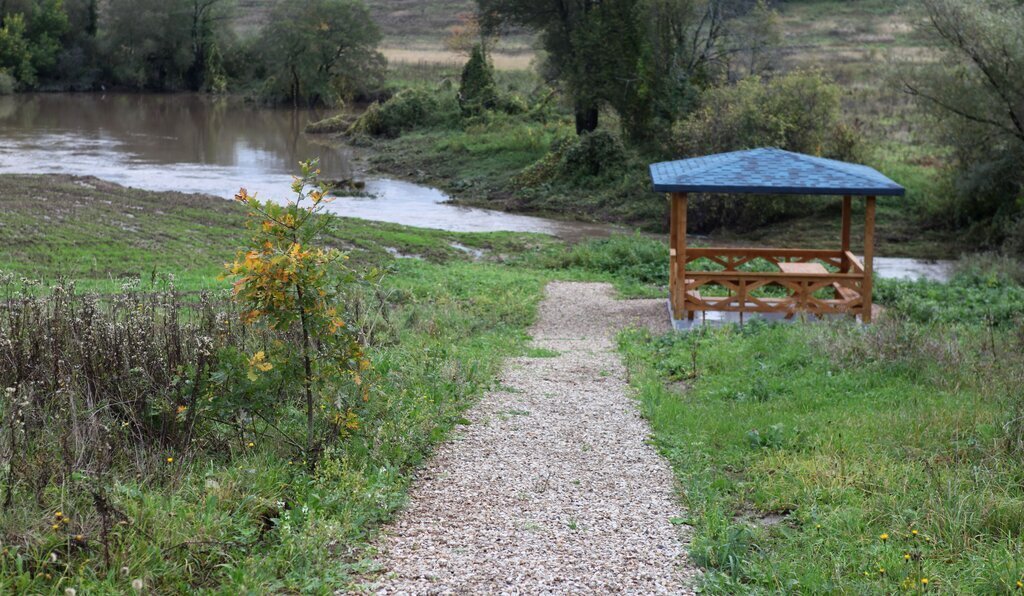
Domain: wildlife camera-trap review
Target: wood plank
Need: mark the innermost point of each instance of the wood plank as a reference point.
(763, 251)
(679, 217)
(844, 293)
(845, 236)
(855, 263)
(869, 253)
(803, 268)
(771, 276)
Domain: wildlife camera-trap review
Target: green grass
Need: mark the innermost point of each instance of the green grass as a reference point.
(252, 519)
(797, 447)
(99, 233)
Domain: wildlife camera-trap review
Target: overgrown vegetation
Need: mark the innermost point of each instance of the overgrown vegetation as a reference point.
(839, 458)
(308, 51)
(154, 435)
(974, 92)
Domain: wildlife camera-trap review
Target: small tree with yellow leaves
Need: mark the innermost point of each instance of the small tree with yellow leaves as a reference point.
(290, 282)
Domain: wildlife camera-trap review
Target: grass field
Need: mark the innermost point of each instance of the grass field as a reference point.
(240, 514)
(797, 447)
(830, 459)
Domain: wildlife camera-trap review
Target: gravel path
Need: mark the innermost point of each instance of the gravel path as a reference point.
(552, 488)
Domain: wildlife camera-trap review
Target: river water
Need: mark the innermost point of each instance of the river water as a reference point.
(214, 145)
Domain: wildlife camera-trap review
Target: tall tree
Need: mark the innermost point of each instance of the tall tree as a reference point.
(206, 23)
(320, 51)
(976, 91)
(571, 34)
(641, 57)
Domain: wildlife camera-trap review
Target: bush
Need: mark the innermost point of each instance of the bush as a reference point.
(8, 84)
(408, 109)
(593, 153)
(797, 112)
(635, 258)
(572, 158)
(333, 124)
(477, 92)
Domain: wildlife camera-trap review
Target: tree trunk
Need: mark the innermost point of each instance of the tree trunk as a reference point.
(586, 118)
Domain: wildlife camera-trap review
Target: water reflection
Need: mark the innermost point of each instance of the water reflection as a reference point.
(192, 143)
(196, 143)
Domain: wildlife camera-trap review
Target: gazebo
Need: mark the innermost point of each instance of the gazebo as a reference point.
(818, 282)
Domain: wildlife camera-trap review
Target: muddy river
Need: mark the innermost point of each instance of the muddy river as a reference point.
(195, 143)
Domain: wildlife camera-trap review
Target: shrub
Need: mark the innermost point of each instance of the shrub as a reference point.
(333, 124)
(8, 84)
(798, 112)
(408, 109)
(476, 89)
(286, 283)
(593, 153)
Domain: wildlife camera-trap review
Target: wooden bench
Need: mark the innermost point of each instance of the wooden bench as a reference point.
(805, 268)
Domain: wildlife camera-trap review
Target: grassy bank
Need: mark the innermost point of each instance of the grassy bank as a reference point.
(237, 512)
(797, 446)
(831, 458)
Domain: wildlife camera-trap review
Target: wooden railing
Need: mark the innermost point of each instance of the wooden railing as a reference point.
(803, 288)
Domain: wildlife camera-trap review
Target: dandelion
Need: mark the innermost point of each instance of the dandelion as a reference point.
(170, 460)
(884, 537)
(79, 538)
(55, 526)
(182, 408)
(70, 592)
(58, 515)
(881, 571)
(1020, 585)
(251, 444)
(924, 581)
(913, 532)
(137, 585)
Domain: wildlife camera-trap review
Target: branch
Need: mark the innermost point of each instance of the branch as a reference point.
(910, 89)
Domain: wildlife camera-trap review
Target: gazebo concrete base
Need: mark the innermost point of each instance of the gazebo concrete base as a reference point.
(719, 318)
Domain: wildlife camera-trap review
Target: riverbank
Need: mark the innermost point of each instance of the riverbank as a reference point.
(242, 515)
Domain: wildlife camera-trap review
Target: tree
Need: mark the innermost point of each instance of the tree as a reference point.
(15, 52)
(578, 51)
(206, 19)
(476, 89)
(30, 38)
(146, 43)
(976, 93)
(644, 58)
(289, 282)
(320, 51)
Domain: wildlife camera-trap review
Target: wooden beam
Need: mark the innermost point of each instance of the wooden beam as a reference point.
(673, 258)
(845, 238)
(869, 255)
(679, 233)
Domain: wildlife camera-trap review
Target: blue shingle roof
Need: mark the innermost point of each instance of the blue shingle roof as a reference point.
(770, 171)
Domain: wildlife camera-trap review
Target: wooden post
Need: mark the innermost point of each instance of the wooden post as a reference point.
(846, 233)
(679, 234)
(672, 255)
(869, 254)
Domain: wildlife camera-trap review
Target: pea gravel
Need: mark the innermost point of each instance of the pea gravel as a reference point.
(552, 488)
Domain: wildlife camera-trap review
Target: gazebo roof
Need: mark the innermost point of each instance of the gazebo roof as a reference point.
(770, 171)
